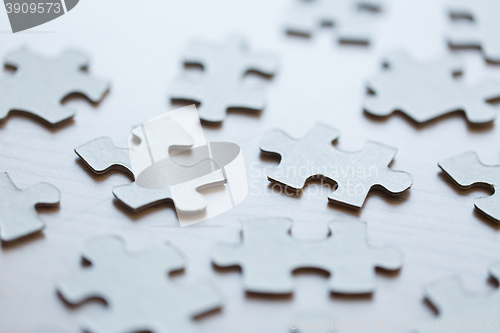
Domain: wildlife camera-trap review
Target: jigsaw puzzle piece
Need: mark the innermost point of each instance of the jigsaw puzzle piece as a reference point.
(139, 295)
(221, 86)
(455, 305)
(467, 171)
(39, 85)
(268, 255)
(291, 171)
(306, 16)
(18, 216)
(483, 32)
(101, 155)
(428, 91)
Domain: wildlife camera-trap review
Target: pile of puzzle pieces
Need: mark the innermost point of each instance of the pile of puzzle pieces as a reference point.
(136, 287)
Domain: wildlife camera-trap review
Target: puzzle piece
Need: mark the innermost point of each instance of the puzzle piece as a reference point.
(345, 15)
(18, 216)
(314, 156)
(39, 85)
(467, 171)
(181, 183)
(427, 91)
(269, 255)
(483, 32)
(221, 86)
(453, 303)
(137, 290)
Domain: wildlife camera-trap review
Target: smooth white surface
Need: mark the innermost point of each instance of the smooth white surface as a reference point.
(138, 45)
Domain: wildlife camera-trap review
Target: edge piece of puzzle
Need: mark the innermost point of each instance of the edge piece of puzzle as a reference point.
(425, 91)
(453, 303)
(221, 85)
(18, 216)
(467, 171)
(351, 24)
(39, 85)
(137, 289)
(314, 156)
(482, 33)
(268, 255)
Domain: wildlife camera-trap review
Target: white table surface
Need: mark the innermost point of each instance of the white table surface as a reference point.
(138, 45)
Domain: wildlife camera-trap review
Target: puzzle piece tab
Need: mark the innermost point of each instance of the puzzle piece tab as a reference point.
(467, 171)
(268, 255)
(456, 305)
(427, 91)
(346, 16)
(221, 86)
(483, 32)
(18, 216)
(314, 156)
(137, 289)
(39, 85)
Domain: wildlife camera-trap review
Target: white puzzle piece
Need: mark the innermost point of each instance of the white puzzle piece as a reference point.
(137, 290)
(455, 305)
(426, 91)
(482, 32)
(346, 16)
(221, 86)
(268, 255)
(314, 156)
(467, 171)
(39, 85)
(18, 216)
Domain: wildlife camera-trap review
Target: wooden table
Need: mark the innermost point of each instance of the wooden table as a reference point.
(138, 47)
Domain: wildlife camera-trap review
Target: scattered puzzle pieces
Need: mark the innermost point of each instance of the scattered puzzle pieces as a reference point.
(427, 91)
(456, 306)
(269, 255)
(39, 85)
(137, 290)
(467, 171)
(221, 86)
(314, 156)
(482, 32)
(345, 15)
(18, 216)
(180, 183)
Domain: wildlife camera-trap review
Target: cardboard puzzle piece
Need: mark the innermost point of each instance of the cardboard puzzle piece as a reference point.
(482, 32)
(467, 171)
(314, 156)
(18, 216)
(180, 183)
(221, 86)
(455, 305)
(39, 85)
(428, 91)
(346, 16)
(136, 287)
(268, 255)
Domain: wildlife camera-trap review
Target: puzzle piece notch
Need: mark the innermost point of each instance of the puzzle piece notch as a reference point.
(39, 85)
(137, 290)
(353, 27)
(482, 33)
(314, 156)
(453, 303)
(18, 216)
(427, 91)
(268, 255)
(221, 86)
(467, 171)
